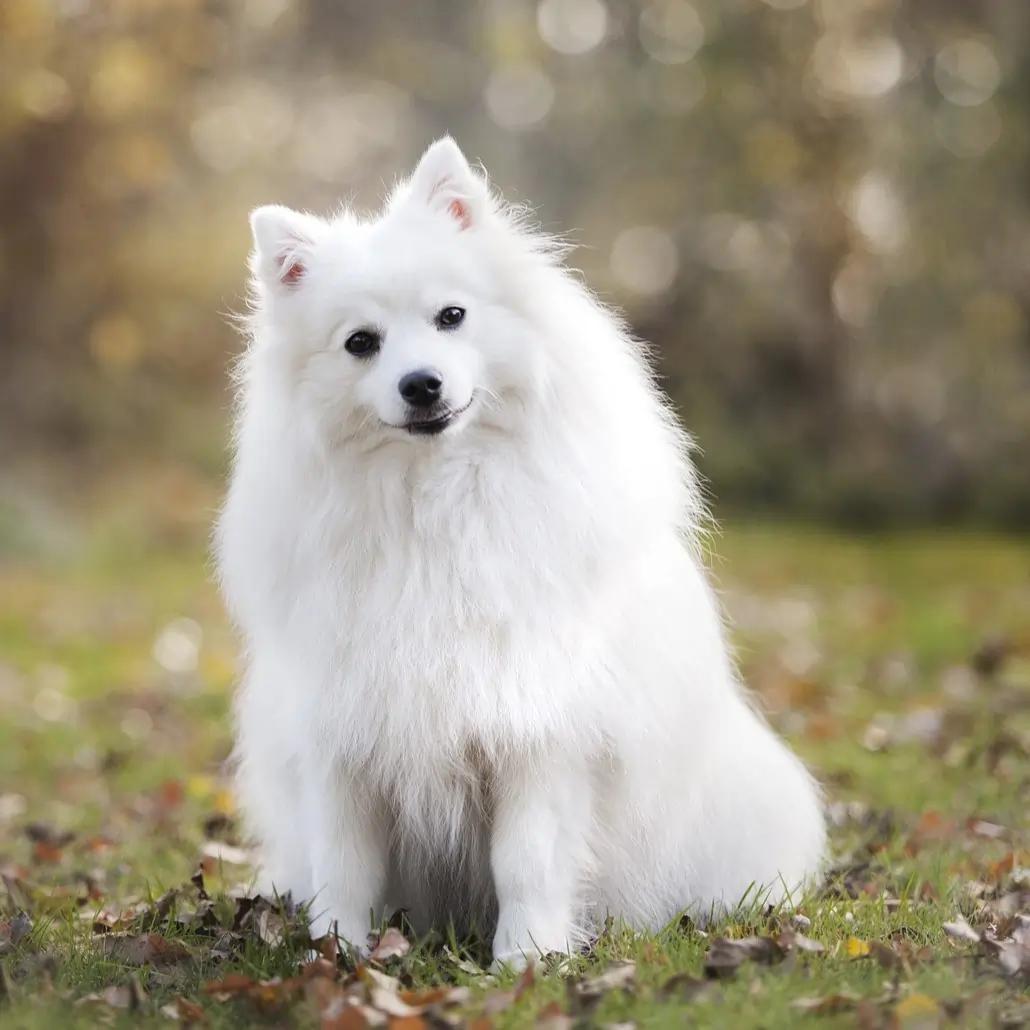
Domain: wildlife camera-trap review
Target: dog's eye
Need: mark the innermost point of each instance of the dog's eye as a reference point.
(450, 318)
(362, 344)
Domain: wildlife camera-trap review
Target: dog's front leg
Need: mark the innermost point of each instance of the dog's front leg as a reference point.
(539, 854)
(348, 840)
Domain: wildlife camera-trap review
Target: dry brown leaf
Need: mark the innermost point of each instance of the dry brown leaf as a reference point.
(230, 986)
(498, 1001)
(345, 1017)
(141, 949)
(392, 944)
(999, 870)
(128, 996)
(685, 987)
(620, 975)
(390, 1002)
(552, 1017)
(828, 1004)
(321, 993)
(960, 930)
(1013, 956)
(48, 836)
(375, 978)
(219, 852)
(46, 854)
(182, 1011)
(790, 939)
(726, 956)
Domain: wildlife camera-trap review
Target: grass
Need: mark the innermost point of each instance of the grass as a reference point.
(115, 668)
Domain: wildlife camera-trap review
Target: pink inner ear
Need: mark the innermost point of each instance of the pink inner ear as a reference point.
(459, 211)
(293, 271)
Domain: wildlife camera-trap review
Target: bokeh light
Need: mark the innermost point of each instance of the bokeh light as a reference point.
(833, 189)
(644, 259)
(572, 26)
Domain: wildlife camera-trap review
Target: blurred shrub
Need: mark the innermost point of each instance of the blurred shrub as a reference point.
(816, 208)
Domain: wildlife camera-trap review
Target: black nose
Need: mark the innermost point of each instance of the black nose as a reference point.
(421, 389)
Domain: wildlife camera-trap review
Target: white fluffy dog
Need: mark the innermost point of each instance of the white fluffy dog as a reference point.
(487, 680)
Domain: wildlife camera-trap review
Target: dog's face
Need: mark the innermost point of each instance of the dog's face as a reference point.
(400, 328)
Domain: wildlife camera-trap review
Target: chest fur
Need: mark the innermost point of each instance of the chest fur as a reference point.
(431, 627)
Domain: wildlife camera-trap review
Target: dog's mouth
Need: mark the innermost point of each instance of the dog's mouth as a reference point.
(437, 424)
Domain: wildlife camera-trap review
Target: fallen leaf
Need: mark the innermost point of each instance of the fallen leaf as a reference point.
(1013, 956)
(960, 930)
(392, 944)
(219, 852)
(828, 1004)
(128, 996)
(685, 987)
(408, 1023)
(918, 1011)
(169, 795)
(498, 1001)
(552, 1017)
(789, 939)
(983, 828)
(182, 1011)
(377, 979)
(618, 976)
(726, 956)
(98, 845)
(526, 980)
(390, 1002)
(46, 854)
(652, 957)
(48, 836)
(344, 1017)
(886, 956)
(230, 986)
(141, 950)
(434, 996)
(997, 871)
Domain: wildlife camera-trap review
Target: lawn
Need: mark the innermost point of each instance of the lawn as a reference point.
(896, 665)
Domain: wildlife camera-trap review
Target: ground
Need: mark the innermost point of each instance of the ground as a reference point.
(896, 665)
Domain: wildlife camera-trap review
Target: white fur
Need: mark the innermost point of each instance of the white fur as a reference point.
(486, 677)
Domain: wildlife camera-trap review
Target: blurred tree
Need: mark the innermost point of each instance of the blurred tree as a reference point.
(817, 209)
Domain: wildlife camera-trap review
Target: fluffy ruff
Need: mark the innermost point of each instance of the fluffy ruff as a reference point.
(486, 678)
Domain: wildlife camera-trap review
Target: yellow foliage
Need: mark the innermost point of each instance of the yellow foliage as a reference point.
(26, 22)
(127, 79)
(116, 341)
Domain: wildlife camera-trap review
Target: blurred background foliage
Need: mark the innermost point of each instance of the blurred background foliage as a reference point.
(816, 209)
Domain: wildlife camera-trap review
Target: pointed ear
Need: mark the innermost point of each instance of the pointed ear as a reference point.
(444, 181)
(283, 241)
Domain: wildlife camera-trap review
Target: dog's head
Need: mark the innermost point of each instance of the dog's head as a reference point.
(409, 326)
